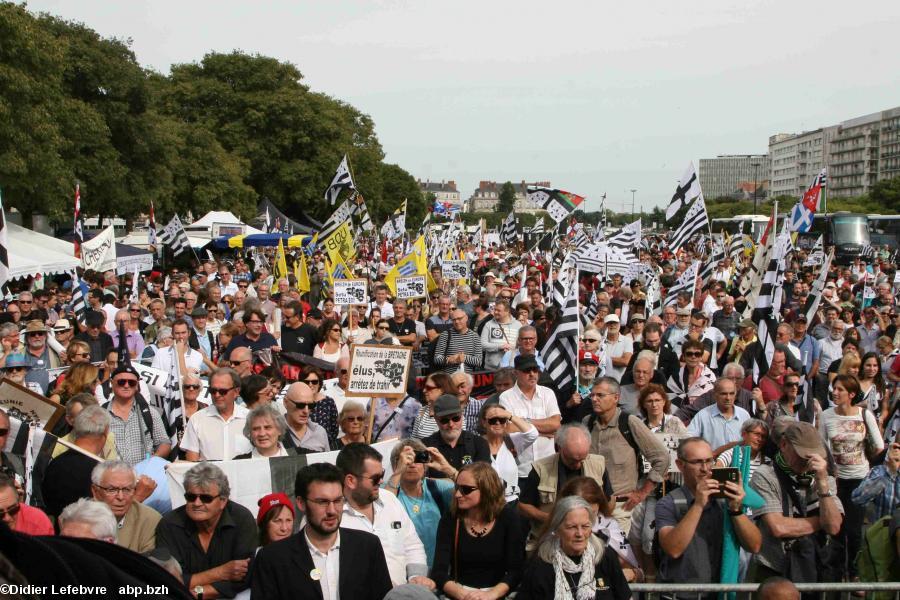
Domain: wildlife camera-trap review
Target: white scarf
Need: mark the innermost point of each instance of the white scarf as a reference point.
(562, 564)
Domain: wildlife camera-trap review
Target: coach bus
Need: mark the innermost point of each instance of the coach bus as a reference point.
(847, 232)
(884, 230)
(754, 225)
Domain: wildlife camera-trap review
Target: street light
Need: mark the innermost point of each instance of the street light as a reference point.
(632, 204)
(755, 166)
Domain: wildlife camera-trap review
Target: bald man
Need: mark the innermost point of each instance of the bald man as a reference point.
(778, 588)
(303, 435)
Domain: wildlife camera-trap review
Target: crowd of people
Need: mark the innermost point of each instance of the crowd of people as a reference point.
(515, 485)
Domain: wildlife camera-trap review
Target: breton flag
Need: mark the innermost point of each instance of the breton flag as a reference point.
(816, 255)
(685, 283)
(538, 228)
(802, 214)
(653, 305)
(342, 181)
(4, 248)
(508, 233)
(688, 189)
(175, 236)
(561, 348)
(603, 259)
(627, 238)
(337, 218)
(590, 312)
(151, 227)
(736, 246)
(558, 203)
(695, 221)
(815, 294)
(79, 298)
(360, 210)
(395, 226)
(79, 225)
(717, 255)
(766, 306)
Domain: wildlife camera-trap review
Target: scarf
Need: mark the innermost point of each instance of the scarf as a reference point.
(562, 564)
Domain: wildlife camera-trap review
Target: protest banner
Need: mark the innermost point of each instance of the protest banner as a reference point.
(410, 287)
(29, 407)
(99, 252)
(670, 441)
(350, 291)
(379, 371)
(253, 478)
(455, 269)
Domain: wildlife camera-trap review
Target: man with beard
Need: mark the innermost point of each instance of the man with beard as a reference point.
(335, 562)
(457, 446)
(369, 508)
(652, 340)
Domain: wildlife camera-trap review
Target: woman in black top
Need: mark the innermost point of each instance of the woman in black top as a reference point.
(479, 551)
(570, 563)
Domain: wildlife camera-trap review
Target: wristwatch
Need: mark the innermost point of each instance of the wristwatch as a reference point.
(827, 494)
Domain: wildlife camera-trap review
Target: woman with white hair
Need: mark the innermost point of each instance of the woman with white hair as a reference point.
(570, 563)
(264, 427)
(88, 519)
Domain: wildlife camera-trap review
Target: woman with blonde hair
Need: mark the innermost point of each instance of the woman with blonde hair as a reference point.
(479, 552)
(81, 377)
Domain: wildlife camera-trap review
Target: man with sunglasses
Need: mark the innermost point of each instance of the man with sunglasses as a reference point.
(19, 516)
(302, 433)
(217, 431)
(97, 340)
(137, 427)
(459, 347)
(369, 508)
(39, 355)
(458, 446)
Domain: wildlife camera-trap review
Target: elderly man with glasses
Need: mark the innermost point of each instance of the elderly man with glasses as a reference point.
(211, 536)
(114, 483)
(39, 355)
(217, 431)
(457, 446)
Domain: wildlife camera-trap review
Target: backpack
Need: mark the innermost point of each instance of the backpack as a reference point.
(625, 430)
(681, 508)
(877, 558)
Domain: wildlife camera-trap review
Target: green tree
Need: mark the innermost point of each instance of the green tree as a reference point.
(885, 194)
(507, 201)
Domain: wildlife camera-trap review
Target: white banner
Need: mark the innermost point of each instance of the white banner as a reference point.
(126, 264)
(99, 253)
(350, 291)
(410, 287)
(455, 269)
(379, 371)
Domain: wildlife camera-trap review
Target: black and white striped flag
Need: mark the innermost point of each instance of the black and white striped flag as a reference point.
(560, 351)
(395, 226)
(4, 248)
(653, 304)
(695, 221)
(736, 246)
(341, 181)
(79, 298)
(175, 237)
(591, 309)
(361, 212)
(601, 258)
(509, 234)
(337, 218)
(538, 228)
(717, 255)
(627, 238)
(685, 283)
(766, 306)
(815, 294)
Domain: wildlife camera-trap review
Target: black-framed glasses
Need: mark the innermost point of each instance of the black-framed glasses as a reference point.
(357, 419)
(312, 381)
(498, 420)
(383, 328)
(11, 511)
(219, 391)
(693, 354)
(302, 405)
(447, 420)
(465, 490)
(191, 497)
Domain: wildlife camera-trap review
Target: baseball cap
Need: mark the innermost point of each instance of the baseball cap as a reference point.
(683, 312)
(270, 501)
(447, 404)
(611, 318)
(314, 313)
(586, 356)
(805, 440)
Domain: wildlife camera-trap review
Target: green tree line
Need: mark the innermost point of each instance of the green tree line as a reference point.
(221, 133)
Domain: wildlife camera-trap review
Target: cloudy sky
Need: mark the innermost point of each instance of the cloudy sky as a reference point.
(594, 96)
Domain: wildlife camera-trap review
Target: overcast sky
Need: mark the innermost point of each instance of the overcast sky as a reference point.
(594, 96)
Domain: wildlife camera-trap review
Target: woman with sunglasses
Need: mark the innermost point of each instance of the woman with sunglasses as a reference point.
(480, 545)
(353, 424)
(324, 413)
(436, 385)
(693, 379)
(382, 334)
(507, 436)
(790, 404)
(330, 346)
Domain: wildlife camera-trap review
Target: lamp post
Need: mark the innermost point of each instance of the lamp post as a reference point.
(755, 166)
(632, 204)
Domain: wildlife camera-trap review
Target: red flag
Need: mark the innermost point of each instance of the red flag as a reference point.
(79, 231)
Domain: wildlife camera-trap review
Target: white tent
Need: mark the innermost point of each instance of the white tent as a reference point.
(31, 253)
(216, 217)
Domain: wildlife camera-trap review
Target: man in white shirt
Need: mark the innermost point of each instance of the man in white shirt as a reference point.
(536, 404)
(165, 358)
(336, 388)
(228, 287)
(217, 431)
(378, 511)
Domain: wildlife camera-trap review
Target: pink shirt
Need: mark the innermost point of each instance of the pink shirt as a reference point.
(33, 521)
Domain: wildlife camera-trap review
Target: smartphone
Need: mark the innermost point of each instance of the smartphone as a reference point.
(724, 475)
(422, 456)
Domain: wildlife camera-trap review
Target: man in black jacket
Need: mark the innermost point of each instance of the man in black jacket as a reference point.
(459, 447)
(652, 340)
(361, 570)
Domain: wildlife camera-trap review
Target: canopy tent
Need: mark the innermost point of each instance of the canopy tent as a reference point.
(129, 257)
(214, 220)
(31, 253)
(261, 239)
(272, 219)
(138, 239)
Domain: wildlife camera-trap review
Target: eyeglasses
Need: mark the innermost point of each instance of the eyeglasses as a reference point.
(465, 490)
(383, 327)
(530, 370)
(586, 340)
(701, 462)
(498, 420)
(375, 479)
(15, 369)
(115, 491)
(528, 339)
(428, 388)
(354, 419)
(337, 329)
(191, 386)
(312, 381)
(24, 301)
(191, 497)
(323, 502)
(126, 382)
(791, 384)
(302, 405)
(235, 363)
(219, 391)
(693, 354)
(446, 420)
(10, 512)
(137, 310)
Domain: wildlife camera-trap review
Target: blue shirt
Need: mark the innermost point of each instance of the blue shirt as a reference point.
(809, 351)
(509, 358)
(713, 427)
(425, 514)
(880, 486)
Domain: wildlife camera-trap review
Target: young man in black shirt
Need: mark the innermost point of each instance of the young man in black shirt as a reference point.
(402, 327)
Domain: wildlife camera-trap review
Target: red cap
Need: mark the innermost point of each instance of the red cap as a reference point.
(270, 501)
(587, 356)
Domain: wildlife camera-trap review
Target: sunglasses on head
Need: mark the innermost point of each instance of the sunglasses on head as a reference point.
(126, 382)
(465, 490)
(191, 497)
(446, 420)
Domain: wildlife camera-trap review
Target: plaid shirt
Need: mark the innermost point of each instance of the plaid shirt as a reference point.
(470, 414)
(881, 487)
(133, 443)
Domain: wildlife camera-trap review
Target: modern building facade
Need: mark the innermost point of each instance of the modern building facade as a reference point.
(796, 159)
(728, 176)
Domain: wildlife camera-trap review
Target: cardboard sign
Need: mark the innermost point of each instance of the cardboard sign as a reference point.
(27, 406)
(410, 287)
(455, 269)
(379, 371)
(350, 291)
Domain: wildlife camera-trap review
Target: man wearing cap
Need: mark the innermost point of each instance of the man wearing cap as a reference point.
(536, 404)
(137, 427)
(618, 347)
(676, 334)
(810, 349)
(579, 405)
(458, 446)
(202, 340)
(38, 354)
(799, 477)
(97, 340)
(16, 369)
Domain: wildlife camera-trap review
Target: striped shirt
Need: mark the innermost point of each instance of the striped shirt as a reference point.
(452, 342)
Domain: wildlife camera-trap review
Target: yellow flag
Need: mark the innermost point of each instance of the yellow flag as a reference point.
(301, 273)
(341, 242)
(336, 268)
(405, 267)
(281, 270)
